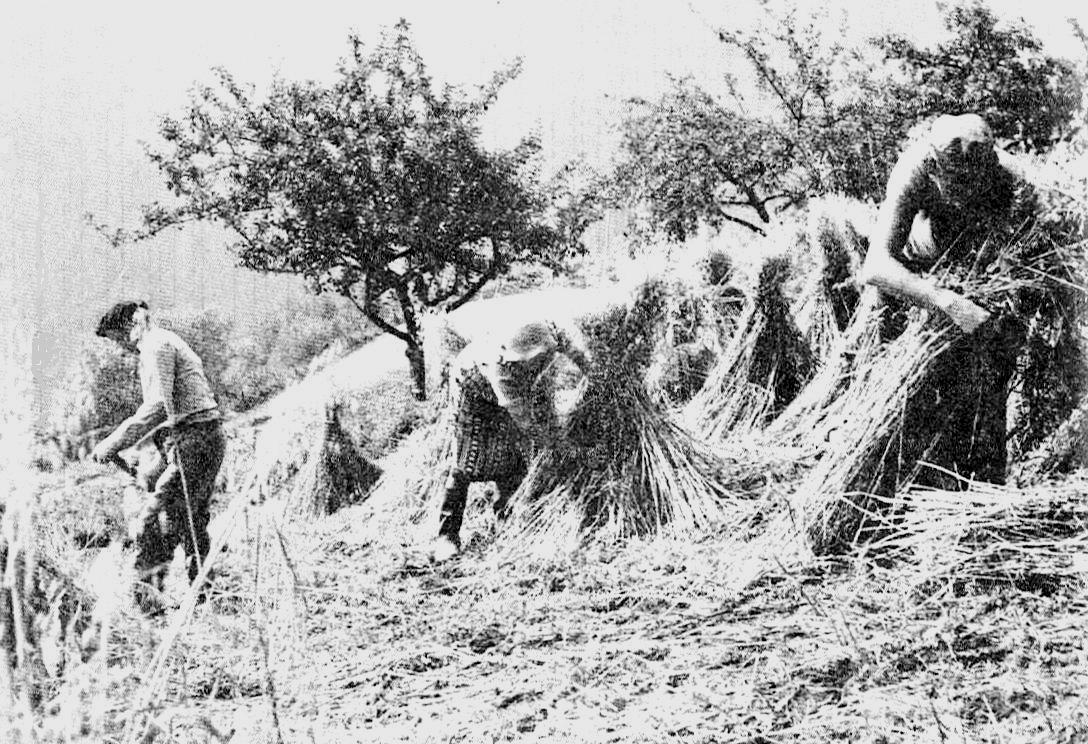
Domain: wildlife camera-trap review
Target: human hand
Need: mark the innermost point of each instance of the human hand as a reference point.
(965, 314)
(102, 452)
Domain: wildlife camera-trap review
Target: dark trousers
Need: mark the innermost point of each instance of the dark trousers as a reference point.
(178, 510)
(957, 417)
(456, 495)
(489, 447)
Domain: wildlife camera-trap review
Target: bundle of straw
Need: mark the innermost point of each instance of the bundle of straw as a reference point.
(1030, 537)
(781, 360)
(826, 247)
(273, 445)
(1063, 451)
(1053, 368)
(403, 504)
(44, 611)
(335, 474)
(837, 229)
(684, 370)
(870, 455)
(762, 368)
(856, 433)
(698, 319)
(626, 466)
(728, 402)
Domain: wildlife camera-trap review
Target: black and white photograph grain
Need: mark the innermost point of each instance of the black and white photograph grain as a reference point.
(544, 371)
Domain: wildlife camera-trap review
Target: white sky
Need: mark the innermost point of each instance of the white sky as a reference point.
(130, 61)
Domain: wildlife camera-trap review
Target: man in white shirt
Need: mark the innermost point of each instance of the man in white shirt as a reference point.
(177, 398)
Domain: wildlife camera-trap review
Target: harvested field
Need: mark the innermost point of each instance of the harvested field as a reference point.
(694, 607)
(649, 640)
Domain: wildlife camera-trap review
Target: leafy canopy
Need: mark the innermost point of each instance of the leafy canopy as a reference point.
(1000, 72)
(825, 117)
(374, 186)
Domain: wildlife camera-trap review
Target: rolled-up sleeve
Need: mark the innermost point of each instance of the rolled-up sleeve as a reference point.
(160, 384)
(147, 417)
(157, 386)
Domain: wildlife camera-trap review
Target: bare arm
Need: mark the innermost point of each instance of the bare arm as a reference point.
(157, 407)
(882, 267)
(572, 347)
(128, 432)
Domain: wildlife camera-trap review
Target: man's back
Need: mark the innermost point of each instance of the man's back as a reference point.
(169, 367)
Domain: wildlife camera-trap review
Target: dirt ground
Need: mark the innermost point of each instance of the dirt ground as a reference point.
(642, 641)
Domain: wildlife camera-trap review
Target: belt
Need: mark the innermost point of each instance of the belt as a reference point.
(190, 426)
(197, 419)
(203, 420)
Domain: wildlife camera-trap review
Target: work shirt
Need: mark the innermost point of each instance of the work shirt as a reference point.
(174, 387)
(477, 383)
(489, 444)
(522, 392)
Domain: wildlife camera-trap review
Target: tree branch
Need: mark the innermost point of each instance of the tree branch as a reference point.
(770, 76)
(474, 289)
(756, 204)
(748, 202)
(754, 228)
(775, 196)
(377, 319)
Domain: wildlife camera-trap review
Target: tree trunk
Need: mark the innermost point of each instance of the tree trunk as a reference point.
(759, 206)
(411, 334)
(414, 351)
(413, 344)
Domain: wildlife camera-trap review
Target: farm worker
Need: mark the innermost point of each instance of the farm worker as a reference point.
(176, 396)
(947, 197)
(502, 388)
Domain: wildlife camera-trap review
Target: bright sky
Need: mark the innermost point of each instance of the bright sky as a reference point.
(83, 83)
(127, 62)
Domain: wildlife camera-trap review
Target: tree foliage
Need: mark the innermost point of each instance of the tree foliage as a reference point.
(690, 161)
(1000, 72)
(826, 117)
(374, 186)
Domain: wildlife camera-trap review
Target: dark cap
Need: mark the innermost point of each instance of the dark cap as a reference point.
(119, 317)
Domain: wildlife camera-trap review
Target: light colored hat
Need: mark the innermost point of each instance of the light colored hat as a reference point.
(527, 342)
(965, 128)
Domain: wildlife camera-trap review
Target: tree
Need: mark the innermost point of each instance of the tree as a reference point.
(826, 117)
(374, 186)
(691, 161)
(812, 125)
(1000, 72)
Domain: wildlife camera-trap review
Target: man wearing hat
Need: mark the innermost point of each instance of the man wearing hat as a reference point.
(177, 400)
(947, 196)
(503, 389)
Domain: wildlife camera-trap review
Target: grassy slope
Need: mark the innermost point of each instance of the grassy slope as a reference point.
(643, 641)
